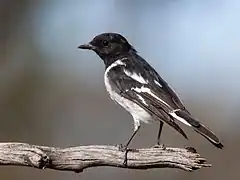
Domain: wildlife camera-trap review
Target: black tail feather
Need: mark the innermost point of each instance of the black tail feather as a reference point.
(209, 135)
(200, 128)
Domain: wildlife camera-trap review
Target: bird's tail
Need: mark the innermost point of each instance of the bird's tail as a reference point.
(186, 118)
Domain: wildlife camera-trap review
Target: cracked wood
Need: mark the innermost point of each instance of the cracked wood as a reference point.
(79, 158)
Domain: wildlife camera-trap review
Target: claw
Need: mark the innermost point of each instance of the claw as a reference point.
(124, 148)
(191, 149)
(162, 146)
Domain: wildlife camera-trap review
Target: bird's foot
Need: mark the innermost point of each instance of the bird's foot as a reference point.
(124, 148)
(158, 145)
(191, 149)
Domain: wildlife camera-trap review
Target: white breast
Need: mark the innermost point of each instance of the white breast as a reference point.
(138, 113)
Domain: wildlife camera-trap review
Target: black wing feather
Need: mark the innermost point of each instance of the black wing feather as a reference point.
(154, 108)
(137, 64)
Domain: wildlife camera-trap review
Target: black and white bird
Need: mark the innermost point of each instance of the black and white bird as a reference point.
(137, 87)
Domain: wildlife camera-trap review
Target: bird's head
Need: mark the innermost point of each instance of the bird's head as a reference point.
(109, 45)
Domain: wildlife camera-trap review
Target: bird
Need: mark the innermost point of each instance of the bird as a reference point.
(135, 85)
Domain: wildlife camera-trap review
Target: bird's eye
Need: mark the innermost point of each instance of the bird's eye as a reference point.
(105, 43)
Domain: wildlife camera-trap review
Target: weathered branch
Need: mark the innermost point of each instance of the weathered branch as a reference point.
(82, 157)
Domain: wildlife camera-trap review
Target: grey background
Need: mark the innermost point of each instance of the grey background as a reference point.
(52, 94)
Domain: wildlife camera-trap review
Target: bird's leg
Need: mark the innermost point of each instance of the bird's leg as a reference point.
(159, 133)
(124, 148)
(159, 145)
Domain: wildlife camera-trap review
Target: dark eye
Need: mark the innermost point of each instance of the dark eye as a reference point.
(105, 43)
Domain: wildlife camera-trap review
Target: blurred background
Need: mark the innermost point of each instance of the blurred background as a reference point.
(52, 93)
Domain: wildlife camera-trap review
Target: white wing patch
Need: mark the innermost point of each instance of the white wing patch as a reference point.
(136, 77)
(157, 83)
(173, 114)
(147, 90)
(141, 98)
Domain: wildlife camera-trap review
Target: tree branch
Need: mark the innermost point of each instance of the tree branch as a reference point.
(82, 157)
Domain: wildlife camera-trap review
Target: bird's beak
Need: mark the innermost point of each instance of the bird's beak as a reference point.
(86, 46)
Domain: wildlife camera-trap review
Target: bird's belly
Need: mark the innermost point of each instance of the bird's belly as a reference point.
(135, 110)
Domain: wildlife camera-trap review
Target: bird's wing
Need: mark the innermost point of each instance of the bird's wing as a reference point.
(155, 82)
(135, 88)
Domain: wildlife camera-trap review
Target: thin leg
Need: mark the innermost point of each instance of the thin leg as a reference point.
(125, 147)
(159, 133)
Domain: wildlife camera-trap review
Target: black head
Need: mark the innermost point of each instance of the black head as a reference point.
(109, 45)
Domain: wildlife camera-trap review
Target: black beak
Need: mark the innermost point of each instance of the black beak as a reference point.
(86, 46)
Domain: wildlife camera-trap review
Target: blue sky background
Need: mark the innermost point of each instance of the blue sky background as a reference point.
(195, 41)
